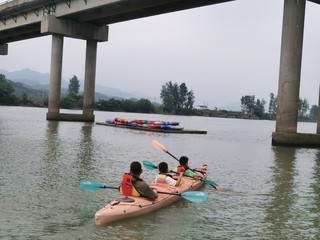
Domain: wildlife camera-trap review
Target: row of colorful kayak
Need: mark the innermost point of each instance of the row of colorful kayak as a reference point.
(144, 123)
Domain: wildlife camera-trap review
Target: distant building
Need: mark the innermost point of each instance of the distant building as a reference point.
(202, 107)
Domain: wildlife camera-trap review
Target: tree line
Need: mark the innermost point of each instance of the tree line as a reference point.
(255, 108)
(74, 100)
(176, 99)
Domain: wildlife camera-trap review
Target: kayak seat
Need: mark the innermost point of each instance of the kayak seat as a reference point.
(126, 199)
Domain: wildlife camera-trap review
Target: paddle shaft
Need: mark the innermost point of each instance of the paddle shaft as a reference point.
(172, 156)
(169, 193)
(110, 187)
(193, 170)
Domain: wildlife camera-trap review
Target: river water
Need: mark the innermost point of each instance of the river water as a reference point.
(272, 192)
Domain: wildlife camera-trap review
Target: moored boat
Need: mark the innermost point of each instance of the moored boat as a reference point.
(150, 126)
(144, 123)
(128, 207)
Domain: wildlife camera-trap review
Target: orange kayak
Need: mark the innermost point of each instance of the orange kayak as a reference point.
(128, 207)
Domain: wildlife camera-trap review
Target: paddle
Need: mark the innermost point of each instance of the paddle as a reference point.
(151, 166)
(162, 148)
(93, 186)
(192, 196)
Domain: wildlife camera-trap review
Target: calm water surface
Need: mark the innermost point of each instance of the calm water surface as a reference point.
(273, 192)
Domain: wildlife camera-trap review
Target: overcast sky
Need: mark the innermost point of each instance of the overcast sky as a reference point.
(222, 52)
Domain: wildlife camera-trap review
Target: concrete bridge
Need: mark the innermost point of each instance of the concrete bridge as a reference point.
(89, 20)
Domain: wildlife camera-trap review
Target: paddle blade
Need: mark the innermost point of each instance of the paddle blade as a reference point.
(210, 182)
(195, 196)
(148, 165)
(159, 146)
(91, 185)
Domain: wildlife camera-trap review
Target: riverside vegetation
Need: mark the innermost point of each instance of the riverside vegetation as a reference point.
(176, 99)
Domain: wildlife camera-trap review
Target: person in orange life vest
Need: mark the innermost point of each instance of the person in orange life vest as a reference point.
(184, 167)
(133, 185)
(164, 177)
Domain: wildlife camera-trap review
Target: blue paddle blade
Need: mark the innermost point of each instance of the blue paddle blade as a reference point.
(210, 182)
(195, 196)
(91, 185)
(148, 165)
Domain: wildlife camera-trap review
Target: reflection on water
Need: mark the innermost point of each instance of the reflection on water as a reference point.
(315, 204)
(276, 193)
(292, 210)
(86, 150)
(282, 197)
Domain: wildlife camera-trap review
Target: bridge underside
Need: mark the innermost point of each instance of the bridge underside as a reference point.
(98, 14)
(315, 1)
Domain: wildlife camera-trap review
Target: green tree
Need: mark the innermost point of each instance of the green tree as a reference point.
(167, 97)
(190, 100)
(7, 95)
(109, 105)
(253, 107)
(259, 108)
(248, 104)
(183, 95)
(303, 107)
(72, 101)
(314, 112)
(129, 105)
(25, 99)
(145, 106)
(74, 85)
(272, 106)
(176, 98)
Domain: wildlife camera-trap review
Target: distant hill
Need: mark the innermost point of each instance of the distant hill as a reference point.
(31, 80)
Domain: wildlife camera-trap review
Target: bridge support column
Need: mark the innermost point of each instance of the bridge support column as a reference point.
(290, 66)
(55, 77)
(290, 69)
(289, 79)
(69, 28)
(89, 80)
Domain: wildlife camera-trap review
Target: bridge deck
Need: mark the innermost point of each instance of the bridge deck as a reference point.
(21, 19)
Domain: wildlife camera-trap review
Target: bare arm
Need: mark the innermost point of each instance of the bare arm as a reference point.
(179, 179)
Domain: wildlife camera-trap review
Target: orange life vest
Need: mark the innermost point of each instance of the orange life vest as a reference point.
(181, 169)
(127, 187)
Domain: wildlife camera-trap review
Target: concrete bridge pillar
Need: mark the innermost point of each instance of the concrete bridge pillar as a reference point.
(55, 77)
(69, 28)
(89, 79)
(289, 80)
(290, 66)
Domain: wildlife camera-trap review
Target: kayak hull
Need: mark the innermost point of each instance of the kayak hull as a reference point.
(130, 207)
